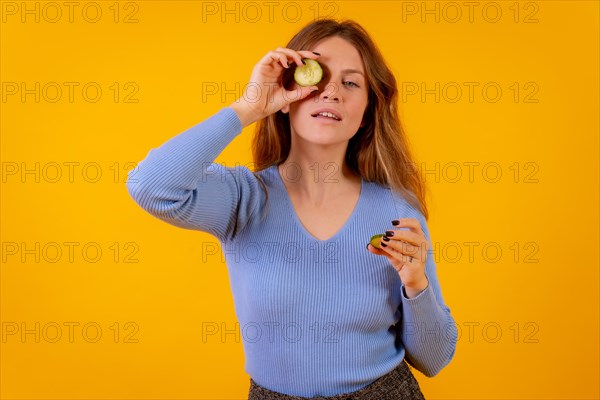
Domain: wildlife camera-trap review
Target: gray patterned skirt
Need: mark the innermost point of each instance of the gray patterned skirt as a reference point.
(398, 384)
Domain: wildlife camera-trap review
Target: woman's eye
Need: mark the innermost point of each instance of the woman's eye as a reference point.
(351, 83)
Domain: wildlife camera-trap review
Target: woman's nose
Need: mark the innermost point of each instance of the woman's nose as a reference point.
(330, 91)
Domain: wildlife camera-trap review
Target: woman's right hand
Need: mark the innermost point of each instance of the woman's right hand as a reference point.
(265, 94)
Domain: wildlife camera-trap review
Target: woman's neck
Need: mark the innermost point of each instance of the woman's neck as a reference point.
(317, 182)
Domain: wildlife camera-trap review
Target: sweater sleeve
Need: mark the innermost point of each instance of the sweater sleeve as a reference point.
(428, 330)
(179, 182)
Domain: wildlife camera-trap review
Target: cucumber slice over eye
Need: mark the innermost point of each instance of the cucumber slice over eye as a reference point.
(308, 74)
(376, 241)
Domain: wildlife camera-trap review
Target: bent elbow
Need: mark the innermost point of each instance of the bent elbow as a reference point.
(151, 196)
(430, 373)
(435, 369)
(433, 365)
(134, 188)
(140, 192)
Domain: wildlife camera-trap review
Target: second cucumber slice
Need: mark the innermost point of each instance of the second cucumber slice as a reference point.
(376, 241)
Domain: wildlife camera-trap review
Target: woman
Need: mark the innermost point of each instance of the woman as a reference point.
(319, 314)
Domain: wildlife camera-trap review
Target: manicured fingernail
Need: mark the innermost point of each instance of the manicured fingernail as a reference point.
(317, 53)
(389, 233)
(383, 244)
(385, 238)
(367, 246)
(395, 222)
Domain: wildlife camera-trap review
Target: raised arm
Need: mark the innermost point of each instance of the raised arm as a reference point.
(180, 183)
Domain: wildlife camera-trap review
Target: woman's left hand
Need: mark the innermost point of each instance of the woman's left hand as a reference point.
(407, 252)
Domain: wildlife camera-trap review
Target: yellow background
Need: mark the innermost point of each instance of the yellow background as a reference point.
(547, 310)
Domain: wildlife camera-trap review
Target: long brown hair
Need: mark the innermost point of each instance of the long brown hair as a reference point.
(379, 151)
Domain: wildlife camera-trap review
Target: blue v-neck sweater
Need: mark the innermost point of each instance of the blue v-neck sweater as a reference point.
(317, 317)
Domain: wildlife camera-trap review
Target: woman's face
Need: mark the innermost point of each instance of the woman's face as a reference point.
(343, 89)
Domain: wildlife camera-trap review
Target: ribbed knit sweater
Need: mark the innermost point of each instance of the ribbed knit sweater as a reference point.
(317, 317)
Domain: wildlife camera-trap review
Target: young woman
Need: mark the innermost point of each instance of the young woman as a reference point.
(320, 315)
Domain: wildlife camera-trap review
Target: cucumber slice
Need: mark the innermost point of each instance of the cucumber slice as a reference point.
(376, 241)
(308, 74)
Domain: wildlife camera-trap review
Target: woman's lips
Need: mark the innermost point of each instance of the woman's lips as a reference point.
(326, 118)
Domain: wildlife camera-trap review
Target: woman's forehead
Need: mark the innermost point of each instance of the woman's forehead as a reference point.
(337, 53)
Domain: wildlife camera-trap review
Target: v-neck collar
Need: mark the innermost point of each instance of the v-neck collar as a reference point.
(346, 226)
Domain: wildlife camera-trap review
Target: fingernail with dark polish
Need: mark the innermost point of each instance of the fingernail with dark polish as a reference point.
(389, 233)
(383, 244)
(367, 246)
(395, 222)
(385, 239)
(317, 53)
